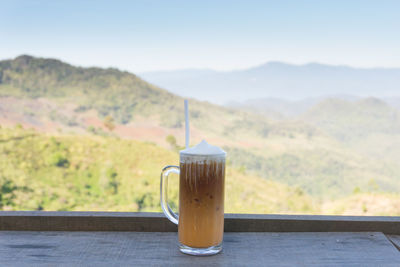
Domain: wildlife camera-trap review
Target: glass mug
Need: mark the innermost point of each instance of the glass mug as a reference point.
(201, 202)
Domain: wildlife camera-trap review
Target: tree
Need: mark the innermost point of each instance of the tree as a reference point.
(113, 182)
(109, 123)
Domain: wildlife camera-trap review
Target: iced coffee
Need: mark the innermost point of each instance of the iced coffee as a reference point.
(201, 199)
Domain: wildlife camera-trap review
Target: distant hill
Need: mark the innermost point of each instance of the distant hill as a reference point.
(276, 108)
(279, 80)
(349, 120)
(369, 126)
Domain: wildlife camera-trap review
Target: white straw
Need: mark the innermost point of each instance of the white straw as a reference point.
(186, 123)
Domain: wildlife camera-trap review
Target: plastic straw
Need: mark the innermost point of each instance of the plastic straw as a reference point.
(186, 123)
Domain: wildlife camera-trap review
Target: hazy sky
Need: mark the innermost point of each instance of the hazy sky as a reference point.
(161, 35)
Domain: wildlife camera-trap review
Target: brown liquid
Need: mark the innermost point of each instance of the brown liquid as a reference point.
(201, 203)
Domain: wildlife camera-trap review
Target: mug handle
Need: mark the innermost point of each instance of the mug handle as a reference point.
(172, 216)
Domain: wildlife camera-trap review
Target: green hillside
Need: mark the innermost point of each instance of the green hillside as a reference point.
(76, 172)
(86, 172)
(321, 172)
(108, 91)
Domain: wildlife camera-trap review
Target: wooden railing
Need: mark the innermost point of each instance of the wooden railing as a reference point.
(156, 222)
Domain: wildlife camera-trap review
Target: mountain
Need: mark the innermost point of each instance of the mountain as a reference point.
(57, 98)
(73, 92)
(108, 91)
(279, 80)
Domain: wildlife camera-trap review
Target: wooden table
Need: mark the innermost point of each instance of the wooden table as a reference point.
(139, 239)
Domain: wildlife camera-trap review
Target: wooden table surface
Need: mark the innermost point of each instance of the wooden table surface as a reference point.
(37, 238)
(65, 248)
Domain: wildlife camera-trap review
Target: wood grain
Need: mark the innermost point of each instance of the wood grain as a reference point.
(19, 248)
(395, 239)
(156, 222)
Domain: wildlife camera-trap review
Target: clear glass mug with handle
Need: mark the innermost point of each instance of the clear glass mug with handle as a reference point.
(201, 199)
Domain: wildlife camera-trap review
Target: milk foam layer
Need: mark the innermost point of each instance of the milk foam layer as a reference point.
(203, 149)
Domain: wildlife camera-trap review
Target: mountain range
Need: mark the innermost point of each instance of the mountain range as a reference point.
(328, 150)
(279, 80)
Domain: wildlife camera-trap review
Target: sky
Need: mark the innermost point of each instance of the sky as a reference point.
(140, 36)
